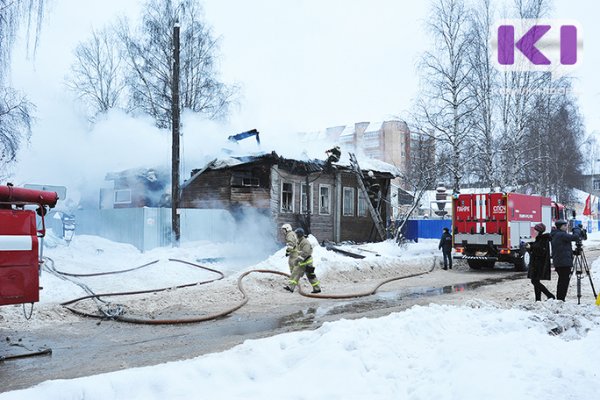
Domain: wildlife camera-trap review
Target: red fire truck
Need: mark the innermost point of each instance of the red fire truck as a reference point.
(20, 245)
(492, 227)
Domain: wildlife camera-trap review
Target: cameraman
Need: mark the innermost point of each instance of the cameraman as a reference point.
(562, 256)
(580, 231)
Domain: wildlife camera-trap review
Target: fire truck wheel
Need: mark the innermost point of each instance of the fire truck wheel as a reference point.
(522, 263)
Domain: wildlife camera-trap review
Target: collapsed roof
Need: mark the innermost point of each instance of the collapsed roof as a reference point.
(300, 167)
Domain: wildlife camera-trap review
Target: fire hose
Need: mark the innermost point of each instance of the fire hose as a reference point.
(42, 352)
(121, 318)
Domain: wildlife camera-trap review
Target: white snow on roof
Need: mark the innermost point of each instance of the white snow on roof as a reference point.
(348, 131)
(369, 164)
(225, 162)
(366, 164)
(374, 126)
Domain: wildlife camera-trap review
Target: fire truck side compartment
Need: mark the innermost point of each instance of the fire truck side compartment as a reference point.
(19, 257)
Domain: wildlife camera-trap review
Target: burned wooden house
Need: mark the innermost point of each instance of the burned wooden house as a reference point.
(137, 187)
(323, 198)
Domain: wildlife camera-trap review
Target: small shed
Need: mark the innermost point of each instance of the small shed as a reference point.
(323, 198)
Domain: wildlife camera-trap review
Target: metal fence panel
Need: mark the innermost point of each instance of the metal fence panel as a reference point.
(147, 228)
(123, 225)
(213, 225)
(416, 229)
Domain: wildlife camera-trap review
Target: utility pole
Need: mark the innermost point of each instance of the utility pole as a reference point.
(175, 132)
(308, 205)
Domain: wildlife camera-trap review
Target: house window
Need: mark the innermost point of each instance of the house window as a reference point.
(250, 182)
(306, 194)
(596, 184)
(244, 179)
(362, 204)
(287, 197)
(348, 201)
(123, 196)
(324, 199)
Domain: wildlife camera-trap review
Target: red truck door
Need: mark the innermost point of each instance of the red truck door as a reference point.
(464, 221)
(497, 213)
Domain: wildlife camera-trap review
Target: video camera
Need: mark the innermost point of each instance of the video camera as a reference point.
(578, 248)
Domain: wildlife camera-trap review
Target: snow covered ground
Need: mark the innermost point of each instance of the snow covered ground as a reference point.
(479, 349)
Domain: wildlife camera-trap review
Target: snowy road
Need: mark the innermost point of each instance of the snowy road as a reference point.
(83, 347)
(90, 347)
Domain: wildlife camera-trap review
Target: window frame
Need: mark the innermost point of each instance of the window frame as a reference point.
(292, 201)
(122, 201)
(302, 197)
(328, 211)
(348, 189)
(362, 200)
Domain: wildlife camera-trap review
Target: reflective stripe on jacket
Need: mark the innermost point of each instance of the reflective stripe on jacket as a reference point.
(306, 262)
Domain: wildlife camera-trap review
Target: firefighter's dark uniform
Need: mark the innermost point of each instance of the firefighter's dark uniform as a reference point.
(446, 247)
(333, 155)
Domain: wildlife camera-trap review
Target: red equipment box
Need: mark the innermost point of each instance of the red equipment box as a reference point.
(19, 257)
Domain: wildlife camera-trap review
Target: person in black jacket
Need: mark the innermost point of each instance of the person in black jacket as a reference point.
(580, 231)
(562, 257)
(446, 247)
(539, 265)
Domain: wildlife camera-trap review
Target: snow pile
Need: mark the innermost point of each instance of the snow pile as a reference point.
(435, 352)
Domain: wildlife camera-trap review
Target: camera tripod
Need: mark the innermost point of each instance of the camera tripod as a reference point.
(580, 264)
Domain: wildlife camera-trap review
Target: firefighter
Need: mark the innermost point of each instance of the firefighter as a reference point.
(373, 193)
(291, 241)
(333, 155)
(539, 266)
(446, 247)
(562, 257)
(304, 265)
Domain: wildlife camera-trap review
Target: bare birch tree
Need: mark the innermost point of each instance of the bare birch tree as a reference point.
(131, 67)
(13, 13)
(420, 175)
(518, 90)
(149, 58)
(483, 86)
(540, 140)
(15, 109)
(97, 73)
(566, 135)
(446, 105)
(15, 124)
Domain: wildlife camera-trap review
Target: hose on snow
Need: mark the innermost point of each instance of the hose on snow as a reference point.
(119, 316)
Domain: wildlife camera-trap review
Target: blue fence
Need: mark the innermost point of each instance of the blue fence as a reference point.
(416, 229)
